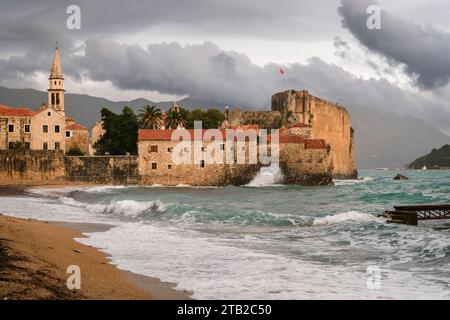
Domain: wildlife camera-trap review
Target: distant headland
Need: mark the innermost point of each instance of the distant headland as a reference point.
(437, 159)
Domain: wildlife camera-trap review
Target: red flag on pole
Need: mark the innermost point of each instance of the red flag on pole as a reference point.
(282, 71)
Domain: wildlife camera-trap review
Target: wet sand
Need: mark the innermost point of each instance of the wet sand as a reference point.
(34, 257)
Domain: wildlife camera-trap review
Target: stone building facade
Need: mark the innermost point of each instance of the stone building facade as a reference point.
(15, 125)
(204, 159)
(303, 161)
(77, 136)
(46, 128)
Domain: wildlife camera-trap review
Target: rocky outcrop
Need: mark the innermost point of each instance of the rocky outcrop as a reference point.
(400, 177)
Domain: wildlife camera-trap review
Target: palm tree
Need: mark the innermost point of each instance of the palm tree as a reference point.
(175, 119)
(150, 117)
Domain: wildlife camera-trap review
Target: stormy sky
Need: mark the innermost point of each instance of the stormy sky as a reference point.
(232, 51)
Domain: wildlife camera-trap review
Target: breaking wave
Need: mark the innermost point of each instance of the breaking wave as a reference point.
(122, 208)
(351, 182)
(354, 216)
(267, 176)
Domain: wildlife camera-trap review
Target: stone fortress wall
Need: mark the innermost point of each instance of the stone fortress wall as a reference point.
(329, 121)
(38, 166)
(326, 120)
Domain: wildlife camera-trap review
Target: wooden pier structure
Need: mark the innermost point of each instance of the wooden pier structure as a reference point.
(411, 215)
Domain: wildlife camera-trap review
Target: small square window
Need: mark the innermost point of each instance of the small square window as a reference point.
(154, 166)
(27, 128)
(45, 146)
(11, 128)
(49, 114)
(57, 129)
(45, 128)
(170, 149)
(68, 134)
(57, 146)
(153, 148)
(203, 148)
(169, 167)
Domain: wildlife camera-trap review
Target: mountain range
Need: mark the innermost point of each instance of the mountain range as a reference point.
(381, 139)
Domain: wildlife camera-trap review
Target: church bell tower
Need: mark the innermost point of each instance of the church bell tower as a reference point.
(56, 84)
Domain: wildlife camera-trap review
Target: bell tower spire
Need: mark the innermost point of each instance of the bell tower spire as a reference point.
(56, 84)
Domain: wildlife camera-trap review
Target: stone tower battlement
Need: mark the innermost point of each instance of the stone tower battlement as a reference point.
(328, 121)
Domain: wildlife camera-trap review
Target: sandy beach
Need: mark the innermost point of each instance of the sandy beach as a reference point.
(35, 255)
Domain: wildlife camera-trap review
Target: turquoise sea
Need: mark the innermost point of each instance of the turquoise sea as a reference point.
(267, 241)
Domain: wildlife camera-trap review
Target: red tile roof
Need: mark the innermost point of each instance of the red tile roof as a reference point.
(75, 126)
(166, 135)
(15, 112)
(309, 143)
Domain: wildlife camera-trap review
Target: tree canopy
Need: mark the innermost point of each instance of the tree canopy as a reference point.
(121, 133)
(150, 117)
(121, 130)
(211, 119)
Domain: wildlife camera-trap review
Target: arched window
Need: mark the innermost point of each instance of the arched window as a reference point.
(53, 99)
(57, 99)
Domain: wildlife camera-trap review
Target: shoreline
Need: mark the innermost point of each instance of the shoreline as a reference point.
(159, 289)
(34, 256)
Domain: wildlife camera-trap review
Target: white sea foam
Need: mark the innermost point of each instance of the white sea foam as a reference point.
(217, 268)
(350, 182)
(107, 189)
(345, 217)
(267, 176)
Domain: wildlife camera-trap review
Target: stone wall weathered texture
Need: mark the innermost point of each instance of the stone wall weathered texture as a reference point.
(104, 169)
(264, 119)
(303, 166)
(19, 133)
(157, 166)
(42, 166)
(328, 120)
(31, 165)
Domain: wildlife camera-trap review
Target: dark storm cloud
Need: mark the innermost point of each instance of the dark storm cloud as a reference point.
(424, 50)
(282, 19)
(28, 30)
(208, 72)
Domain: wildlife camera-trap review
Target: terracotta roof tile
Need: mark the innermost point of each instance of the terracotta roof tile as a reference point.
(166, 135)
(15, 112)
(75, 126)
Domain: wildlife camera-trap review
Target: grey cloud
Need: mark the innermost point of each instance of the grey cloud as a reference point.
(282, 19)
(422, 49)
(208, 72)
